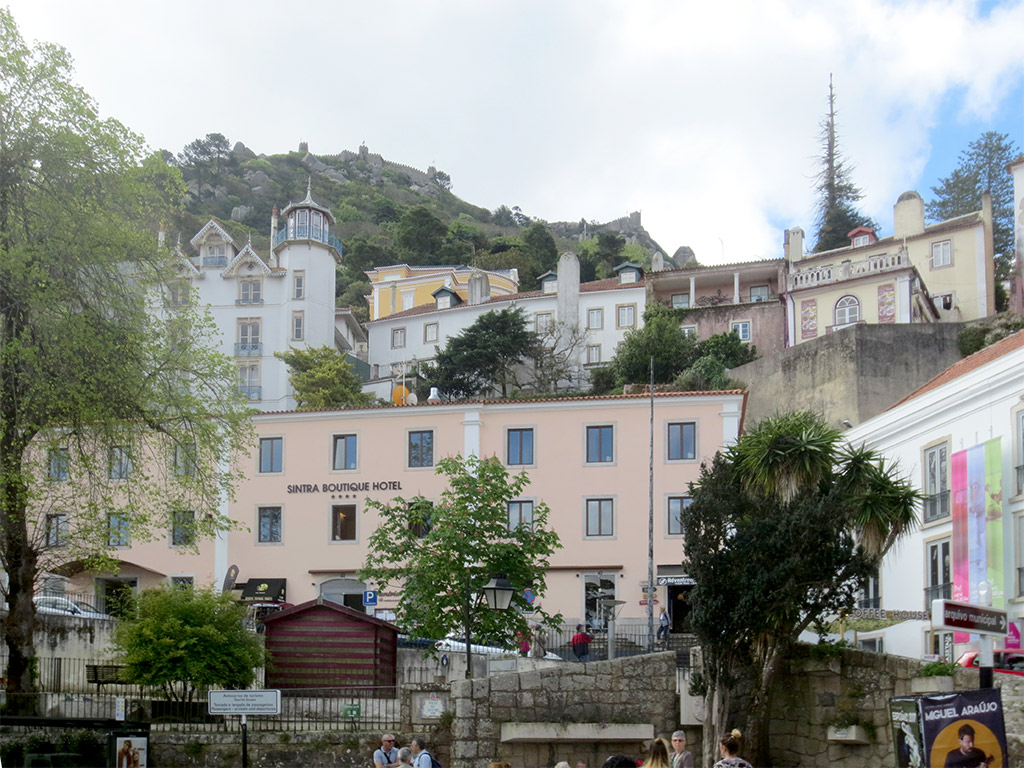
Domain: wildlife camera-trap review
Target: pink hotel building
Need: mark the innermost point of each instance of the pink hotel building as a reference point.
(304, 523)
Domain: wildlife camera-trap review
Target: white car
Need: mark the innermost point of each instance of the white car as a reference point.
(64, 606)
(459, 647)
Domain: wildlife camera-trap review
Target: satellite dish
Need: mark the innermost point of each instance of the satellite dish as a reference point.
(412, 399)
(400, 395)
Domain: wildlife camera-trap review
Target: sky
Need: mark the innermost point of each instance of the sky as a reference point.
(703, 116)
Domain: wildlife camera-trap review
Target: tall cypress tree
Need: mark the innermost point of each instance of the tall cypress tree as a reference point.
(837, 193)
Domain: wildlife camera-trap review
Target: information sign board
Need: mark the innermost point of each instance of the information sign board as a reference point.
(266, 702)
(950, 614)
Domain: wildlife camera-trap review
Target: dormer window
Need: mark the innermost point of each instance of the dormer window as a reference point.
(861, 240)
(215, 256)
(548, 282)
(444, 301)
(861, 236)
(629, 273)
(627, 276)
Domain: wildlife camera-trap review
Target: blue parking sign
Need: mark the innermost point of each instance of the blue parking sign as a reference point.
(370, 598)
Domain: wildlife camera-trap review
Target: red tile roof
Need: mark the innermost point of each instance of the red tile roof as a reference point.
(968, 364)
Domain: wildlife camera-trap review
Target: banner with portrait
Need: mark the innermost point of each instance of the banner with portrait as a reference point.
(964, 729)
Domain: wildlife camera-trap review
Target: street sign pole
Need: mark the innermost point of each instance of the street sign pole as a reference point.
(245, 743)
(978, 619)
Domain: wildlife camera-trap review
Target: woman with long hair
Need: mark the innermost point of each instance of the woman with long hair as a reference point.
(657, 755)
(729, 746)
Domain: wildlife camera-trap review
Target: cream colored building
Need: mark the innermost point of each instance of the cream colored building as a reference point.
(304, 523)
(399, 287)
(920, 274)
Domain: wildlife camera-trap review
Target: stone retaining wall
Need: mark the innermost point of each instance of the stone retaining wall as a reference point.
(606, 696)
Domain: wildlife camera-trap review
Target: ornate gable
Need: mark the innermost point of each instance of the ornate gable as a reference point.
(211, 226)
(247, 262)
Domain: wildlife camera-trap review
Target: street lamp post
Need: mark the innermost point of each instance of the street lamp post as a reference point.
(498, 594)
(611, 610)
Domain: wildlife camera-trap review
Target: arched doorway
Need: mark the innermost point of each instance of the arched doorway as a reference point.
(347, 592)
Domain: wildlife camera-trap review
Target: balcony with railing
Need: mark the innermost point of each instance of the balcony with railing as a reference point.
(252, 393)
(834, 273)
(870, 602)
(215, 261)
(937, 592)
(249, 350)
(308, 232)
(936, 506)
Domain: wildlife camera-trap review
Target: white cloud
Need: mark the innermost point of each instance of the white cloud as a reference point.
(703, 116)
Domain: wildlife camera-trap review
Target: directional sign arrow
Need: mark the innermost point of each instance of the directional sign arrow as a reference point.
(950, 614)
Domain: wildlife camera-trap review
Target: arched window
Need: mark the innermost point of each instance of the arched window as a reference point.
(847, 310)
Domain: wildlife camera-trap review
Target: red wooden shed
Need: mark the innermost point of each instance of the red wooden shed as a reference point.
(321, 644)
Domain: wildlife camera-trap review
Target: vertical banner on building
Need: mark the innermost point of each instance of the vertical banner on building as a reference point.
(977, 524)
(887, 303)
(964, 729)
(905, 717)
(809, 319)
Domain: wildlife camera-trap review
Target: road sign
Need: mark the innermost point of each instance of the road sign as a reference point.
(654, 602)
(967, 617)
(370, 598)
(350, 710)
(266, 702)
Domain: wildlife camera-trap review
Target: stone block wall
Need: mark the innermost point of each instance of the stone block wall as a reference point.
(634, 690)
(856, 687)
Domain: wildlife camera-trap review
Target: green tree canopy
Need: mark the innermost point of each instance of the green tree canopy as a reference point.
(484, 357)
(439, 554)
(322, 378)
(92, 368)
(837, 194)
(784, 530)
(180, 640)
(660, 338)
(420, 234)
(981, 167)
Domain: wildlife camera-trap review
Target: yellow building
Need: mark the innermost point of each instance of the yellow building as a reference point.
(399, 287)
(940, 272)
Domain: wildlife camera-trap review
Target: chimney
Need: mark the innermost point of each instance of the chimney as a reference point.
(568, 311)
(434, 398)
(908, 215)
(273, 236)
(479, 287)
(794, 245)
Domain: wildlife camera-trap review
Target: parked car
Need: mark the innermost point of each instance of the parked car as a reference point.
(1006, 662)
(65, 606)
(450, 645)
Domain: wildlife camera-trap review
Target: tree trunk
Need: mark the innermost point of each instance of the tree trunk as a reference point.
(21, 561)
(756, 739)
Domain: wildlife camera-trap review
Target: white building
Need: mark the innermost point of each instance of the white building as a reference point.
(960, 438)
(262, 306)
(601, 311)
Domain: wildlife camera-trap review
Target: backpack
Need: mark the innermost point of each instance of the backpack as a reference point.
(434, 762)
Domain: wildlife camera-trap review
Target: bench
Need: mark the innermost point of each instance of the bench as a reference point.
(102, 674)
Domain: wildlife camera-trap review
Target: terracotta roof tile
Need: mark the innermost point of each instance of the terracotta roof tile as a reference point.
(968, 364)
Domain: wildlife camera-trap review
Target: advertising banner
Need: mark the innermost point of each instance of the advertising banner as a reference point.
(964, 730)
(905, 718)
(977, 524)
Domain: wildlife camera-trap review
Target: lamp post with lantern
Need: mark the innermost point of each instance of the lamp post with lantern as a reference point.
(498, 594)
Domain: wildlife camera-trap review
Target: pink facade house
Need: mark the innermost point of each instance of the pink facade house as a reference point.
(303, 519)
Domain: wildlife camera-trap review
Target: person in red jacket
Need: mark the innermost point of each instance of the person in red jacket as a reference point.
(581, 643)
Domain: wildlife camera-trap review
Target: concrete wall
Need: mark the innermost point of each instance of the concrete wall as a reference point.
(598, 705)
(852, 374)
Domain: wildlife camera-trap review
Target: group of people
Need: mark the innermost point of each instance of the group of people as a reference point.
(389, 755)
(660, 754)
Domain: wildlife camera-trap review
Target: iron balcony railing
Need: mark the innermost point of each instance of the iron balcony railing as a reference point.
(869, 602)
(240, 302)
(936, 506)
(306, 232)
(937, 592)
(253, 393)
(215, 261)
(249, 350)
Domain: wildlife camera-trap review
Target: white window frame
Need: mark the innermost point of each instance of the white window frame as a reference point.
(742, 328)
(846, 311)
(595, 319)
(680, 301)
(625, 309)
(759, 293)
(689, 330)
(298, 326)
(942, 254)
(408, 300)
(543, 321)
(299, 285)
(430, 333)
(593, 353)
(398, 338)
(250, 291)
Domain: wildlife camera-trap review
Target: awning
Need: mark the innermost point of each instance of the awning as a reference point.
(265, 590)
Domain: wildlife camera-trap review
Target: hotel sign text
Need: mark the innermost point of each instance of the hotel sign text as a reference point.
(382, 485)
